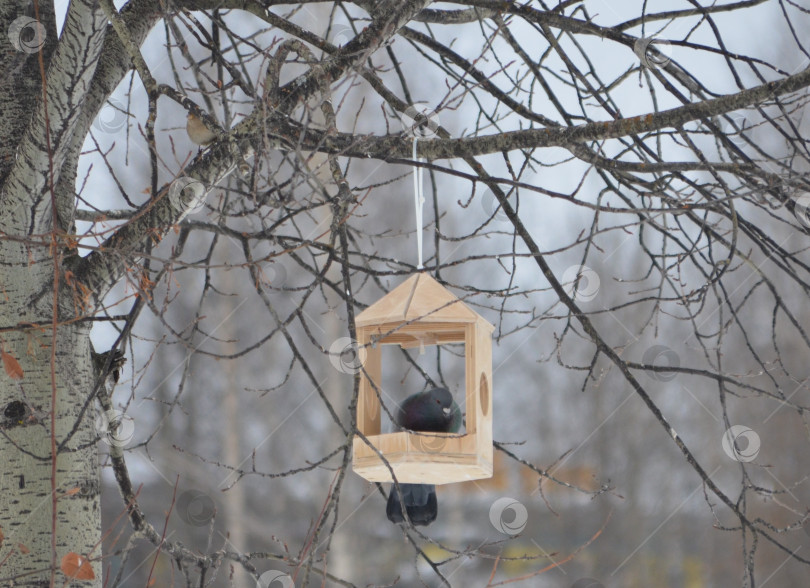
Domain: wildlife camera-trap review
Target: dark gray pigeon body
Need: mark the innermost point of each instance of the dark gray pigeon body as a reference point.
(431, 411)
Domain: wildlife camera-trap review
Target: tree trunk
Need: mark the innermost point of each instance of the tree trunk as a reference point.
(29, 486)
(48, 509)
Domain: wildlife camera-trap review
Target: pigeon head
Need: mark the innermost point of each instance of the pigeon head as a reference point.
(444, 399)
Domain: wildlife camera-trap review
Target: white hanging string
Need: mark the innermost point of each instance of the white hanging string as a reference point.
(418, 201)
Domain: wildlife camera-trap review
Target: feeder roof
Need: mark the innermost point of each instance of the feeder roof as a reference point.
(422, 299)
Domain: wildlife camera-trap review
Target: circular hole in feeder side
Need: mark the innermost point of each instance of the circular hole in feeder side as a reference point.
(483, 393)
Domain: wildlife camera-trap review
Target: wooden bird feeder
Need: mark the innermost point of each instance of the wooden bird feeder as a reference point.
(421, 312)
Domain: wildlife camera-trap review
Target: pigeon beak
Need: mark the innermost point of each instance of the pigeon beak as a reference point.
(446, 410)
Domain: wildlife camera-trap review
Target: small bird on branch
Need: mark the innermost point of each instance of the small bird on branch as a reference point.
(198, 132)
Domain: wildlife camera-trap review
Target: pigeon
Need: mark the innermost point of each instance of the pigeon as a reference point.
(432, 411)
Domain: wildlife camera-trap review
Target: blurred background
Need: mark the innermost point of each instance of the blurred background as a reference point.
(240, 421)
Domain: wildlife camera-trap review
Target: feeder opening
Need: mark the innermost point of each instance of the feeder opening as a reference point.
(401, 379)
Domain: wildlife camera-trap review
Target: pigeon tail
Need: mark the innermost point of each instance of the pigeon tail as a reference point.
(420, 504)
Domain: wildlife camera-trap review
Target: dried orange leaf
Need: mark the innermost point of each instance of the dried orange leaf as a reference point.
(23, 549)
(12, 366)
(77, 567)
